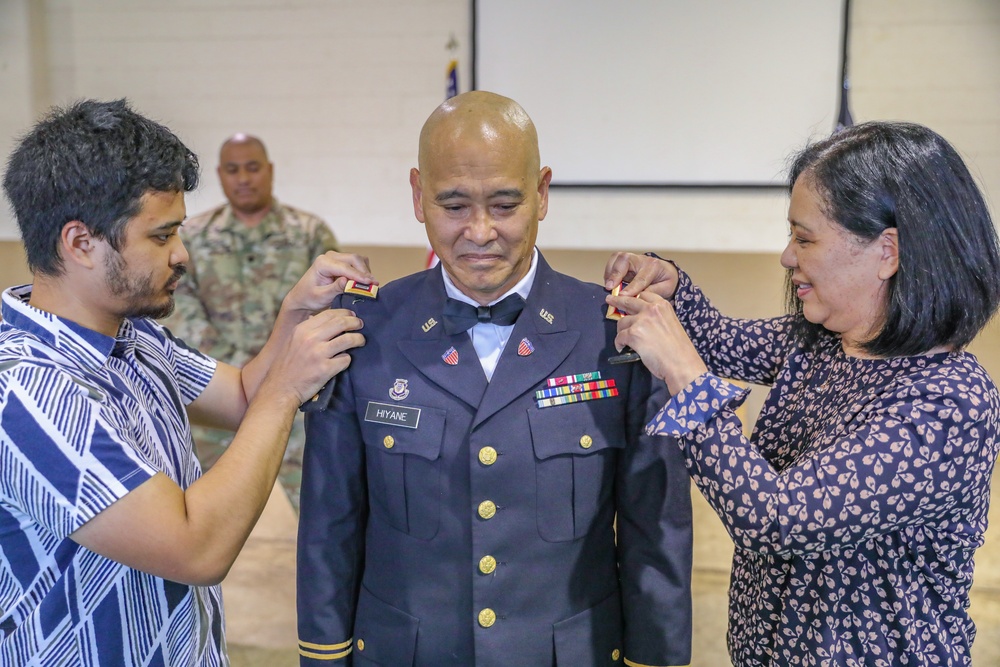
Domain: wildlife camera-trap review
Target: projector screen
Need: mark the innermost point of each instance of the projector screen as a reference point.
(665, 92)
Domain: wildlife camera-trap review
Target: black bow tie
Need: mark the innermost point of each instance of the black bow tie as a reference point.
(460, 316)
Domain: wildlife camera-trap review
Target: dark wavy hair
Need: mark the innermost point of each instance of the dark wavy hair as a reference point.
(92, 161)
(878, 175)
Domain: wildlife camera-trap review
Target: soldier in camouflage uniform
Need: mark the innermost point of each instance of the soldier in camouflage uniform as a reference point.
(245, 256)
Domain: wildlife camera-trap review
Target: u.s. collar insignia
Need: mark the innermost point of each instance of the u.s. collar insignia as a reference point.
(546, 315)
(400, 389)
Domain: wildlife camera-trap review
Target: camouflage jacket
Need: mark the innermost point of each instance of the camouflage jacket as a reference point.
(237, 277)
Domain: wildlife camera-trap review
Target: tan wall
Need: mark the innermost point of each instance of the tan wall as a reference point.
(744, 285)
(740, 284)
(13, 267)
(724, 276)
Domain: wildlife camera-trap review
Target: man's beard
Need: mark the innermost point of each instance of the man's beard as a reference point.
(138, 290)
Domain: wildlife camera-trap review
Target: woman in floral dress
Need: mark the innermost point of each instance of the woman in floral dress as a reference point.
(859, 501)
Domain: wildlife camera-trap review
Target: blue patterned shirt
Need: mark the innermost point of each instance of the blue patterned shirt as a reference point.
(857, 504)
(84, 419)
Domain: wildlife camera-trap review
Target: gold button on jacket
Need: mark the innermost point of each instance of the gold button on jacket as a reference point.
(487, 617)
(487, 456)
(388, 441)
(487, 509)
(586, 441)
(487, 564)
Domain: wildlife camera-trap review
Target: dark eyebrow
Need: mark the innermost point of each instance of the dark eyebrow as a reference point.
(450, 194)
(513, 193)
(167, 226)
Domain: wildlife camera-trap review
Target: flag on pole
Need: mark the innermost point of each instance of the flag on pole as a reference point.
(451, 78)
(451, 89)
(844, 117)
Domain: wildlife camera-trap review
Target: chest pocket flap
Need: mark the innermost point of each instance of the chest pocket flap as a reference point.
(402, 429)
(403, 444)
(576, 453)
(579, 429)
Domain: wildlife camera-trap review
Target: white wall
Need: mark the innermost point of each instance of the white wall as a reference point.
(662, 93)
(339, 88)
(936, 63)
(15, 88)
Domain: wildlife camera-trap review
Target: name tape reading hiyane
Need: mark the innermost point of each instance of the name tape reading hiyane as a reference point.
(392, 415)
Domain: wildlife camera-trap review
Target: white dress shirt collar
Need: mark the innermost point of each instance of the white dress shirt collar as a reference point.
(490, 339)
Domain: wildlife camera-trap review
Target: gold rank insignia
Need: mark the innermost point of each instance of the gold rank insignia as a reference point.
(361, 289)
(613, 313)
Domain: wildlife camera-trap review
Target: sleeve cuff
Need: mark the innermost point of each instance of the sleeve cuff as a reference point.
(695, 405)
(631, 663)
(325, 651)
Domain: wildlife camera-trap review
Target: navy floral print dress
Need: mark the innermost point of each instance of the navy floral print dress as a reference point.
(857, 504)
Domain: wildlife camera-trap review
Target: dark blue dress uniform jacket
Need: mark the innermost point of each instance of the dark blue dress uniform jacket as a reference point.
(422, 546)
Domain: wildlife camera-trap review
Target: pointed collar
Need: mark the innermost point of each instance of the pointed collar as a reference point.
(88, 347)
(523, 286)
(546, 303)
(543, 303)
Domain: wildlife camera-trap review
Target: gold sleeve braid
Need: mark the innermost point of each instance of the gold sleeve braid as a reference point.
(326, 651)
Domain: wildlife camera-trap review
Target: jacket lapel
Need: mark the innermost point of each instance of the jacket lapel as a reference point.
(428, 345)
(543, 323)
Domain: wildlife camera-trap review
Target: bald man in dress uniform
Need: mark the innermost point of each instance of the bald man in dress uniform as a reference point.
(462, 485)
